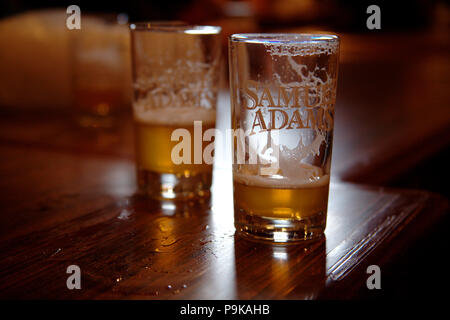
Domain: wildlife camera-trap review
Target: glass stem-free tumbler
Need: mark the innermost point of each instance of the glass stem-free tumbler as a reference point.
(283, 92)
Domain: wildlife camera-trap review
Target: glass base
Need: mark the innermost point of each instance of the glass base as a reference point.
(279, 230)
(94, 121)
(165, 186)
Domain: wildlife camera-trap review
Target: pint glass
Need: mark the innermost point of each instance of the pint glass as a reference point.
(100, 55)
(175, 80)
(283, 92)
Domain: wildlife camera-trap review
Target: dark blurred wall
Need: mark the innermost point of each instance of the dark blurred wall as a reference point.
(347, 15)
(137, 10)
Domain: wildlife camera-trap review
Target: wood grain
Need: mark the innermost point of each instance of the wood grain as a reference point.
(82, 210)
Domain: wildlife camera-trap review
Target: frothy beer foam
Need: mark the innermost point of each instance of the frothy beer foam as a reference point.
(307, 176)
(173, 115)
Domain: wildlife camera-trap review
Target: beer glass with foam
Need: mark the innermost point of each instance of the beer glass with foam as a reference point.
(283, 92)
(175, 81)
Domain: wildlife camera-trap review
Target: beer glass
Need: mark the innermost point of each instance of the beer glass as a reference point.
(175, 80)
(283, 91)
(100, 55)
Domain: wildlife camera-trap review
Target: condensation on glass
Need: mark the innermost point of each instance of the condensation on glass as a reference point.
(283, 92)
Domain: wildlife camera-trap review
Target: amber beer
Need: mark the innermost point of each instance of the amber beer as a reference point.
(283, 96)
(282, 202)
(154, 152)
(96, 107)
(270, 198)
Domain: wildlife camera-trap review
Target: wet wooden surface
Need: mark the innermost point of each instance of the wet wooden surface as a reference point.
(59, 209)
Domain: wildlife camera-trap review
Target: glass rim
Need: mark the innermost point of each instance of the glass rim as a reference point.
(284, 38)
(174, 27)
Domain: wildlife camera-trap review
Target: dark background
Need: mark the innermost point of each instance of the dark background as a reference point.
(338, 14)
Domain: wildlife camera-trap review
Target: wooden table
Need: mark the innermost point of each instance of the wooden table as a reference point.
(68, 198)
(60, 208)
(393, 104)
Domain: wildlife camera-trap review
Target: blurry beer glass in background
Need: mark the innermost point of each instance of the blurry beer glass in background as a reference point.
(175, 80)
(100, 58)
(283, 91)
